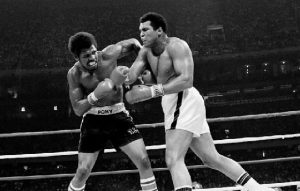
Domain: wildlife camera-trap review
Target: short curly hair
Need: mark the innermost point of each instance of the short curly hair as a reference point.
(80, 41)
(156, 19)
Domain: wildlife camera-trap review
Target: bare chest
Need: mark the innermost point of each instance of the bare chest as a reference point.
(162, 66)
(89, 81)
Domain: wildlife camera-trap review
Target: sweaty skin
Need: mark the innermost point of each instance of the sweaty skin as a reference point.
(172, 65)
(83, 81)
(87, 82)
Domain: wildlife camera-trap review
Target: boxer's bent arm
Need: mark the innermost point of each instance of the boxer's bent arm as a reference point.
(79, 104)
(128, 46)
(183, 66)
(138, 66)
(121, 49)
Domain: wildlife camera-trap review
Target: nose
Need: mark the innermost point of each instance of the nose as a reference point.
(92, 56)
(142, 34)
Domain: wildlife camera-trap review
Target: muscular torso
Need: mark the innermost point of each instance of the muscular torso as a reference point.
(89, 81)
(162, 65)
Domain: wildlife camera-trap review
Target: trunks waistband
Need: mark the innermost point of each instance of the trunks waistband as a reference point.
(106, 110)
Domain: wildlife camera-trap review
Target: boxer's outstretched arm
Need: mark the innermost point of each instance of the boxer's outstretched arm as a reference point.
(79, 104)
(183, 66)
(138, 66)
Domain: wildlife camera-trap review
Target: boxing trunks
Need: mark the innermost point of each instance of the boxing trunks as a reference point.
(102, 124)
(185, 110)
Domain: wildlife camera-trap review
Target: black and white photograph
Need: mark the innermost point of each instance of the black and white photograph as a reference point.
(149, 95)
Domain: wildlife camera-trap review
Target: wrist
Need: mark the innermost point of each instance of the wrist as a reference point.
(92, 99)
(130, 79)
(126, 81)
(157, 90)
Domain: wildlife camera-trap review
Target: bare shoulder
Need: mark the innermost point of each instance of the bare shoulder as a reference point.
(144, 50)
(73, 73)
(178, 47)
(142, 55)
(177, 43)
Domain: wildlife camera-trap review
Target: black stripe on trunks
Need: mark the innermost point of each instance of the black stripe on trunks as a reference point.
(177, 111)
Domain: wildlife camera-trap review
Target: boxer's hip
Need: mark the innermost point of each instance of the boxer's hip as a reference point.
(106, 110)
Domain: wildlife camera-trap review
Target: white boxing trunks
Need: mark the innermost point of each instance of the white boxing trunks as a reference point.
(185, 110)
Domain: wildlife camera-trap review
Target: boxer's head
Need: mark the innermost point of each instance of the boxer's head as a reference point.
(83, 46)
(152, 26)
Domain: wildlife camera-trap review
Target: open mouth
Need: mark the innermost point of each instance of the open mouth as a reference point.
(92, 63)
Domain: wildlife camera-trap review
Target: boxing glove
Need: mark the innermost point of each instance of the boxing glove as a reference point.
(148, 78)
(102, 89)
(119, 75)
(141, 93)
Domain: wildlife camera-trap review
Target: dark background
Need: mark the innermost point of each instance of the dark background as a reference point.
(246, 55)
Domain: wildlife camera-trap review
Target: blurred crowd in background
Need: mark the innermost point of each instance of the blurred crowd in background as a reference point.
(246, 56)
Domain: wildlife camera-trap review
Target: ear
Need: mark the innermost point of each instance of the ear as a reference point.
(76, 57)
(159, 31)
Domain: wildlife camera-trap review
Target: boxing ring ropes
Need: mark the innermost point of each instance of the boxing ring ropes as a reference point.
(155, 147)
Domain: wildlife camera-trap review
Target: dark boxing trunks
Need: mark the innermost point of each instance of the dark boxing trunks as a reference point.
(101, 124)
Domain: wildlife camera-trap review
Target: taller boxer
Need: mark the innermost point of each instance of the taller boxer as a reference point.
(96, 93)
(172, 64)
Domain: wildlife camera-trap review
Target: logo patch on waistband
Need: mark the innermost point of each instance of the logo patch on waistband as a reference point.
(106, 111)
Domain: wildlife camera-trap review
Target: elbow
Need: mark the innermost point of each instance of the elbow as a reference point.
(188, 81)
(78, 112)
(136, 42)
